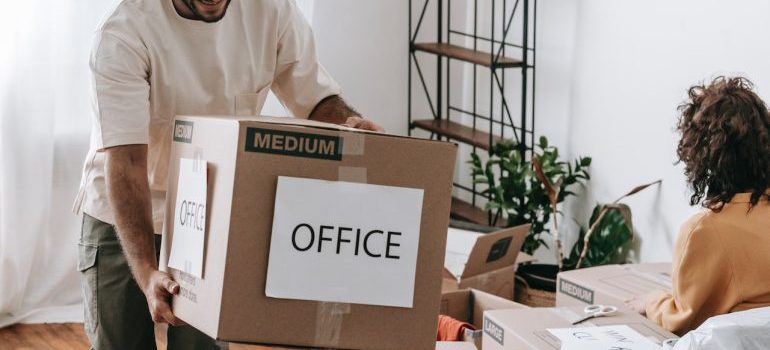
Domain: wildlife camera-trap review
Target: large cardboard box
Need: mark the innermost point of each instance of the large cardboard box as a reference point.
(611, 284)
(484, 261)
(469, 305)
(525, 329)
(247, 160)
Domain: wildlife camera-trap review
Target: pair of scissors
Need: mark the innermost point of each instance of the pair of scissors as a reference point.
(592, 311)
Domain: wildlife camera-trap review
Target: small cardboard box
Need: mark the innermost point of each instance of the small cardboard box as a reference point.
(246, 160)
(611, 284)
(525, 329)
(486, 262)
(469, 305)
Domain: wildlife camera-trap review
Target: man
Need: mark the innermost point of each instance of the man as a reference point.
(153, 60)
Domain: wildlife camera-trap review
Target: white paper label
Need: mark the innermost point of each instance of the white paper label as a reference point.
(344, 242)
(187, 243)
(603, 338)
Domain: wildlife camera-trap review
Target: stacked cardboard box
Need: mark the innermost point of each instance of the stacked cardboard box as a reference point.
(249, 160)
(611, 284)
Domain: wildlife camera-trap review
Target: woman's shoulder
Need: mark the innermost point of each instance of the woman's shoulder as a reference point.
(702, 225)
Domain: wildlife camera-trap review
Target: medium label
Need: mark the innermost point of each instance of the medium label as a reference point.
(183, 131)
(294, 144)
(494, 331)
(580, 293)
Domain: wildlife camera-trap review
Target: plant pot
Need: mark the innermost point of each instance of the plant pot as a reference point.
(536, 285)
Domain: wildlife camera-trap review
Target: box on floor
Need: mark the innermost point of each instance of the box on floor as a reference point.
(524, 329)
(469, 305)
(611, 284)
(484, 261)
(246, 159)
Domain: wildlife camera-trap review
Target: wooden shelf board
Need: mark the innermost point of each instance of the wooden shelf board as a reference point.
(467, 55)
(463, 210)
(456, 131)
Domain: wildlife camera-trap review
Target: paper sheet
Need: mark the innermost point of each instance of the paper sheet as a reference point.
(459, 244)
(187, 244)
(620, 337)
(344, 242)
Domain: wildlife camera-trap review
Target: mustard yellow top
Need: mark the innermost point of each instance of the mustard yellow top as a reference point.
(721, 264)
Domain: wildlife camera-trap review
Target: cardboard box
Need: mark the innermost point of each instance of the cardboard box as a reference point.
(484, 261)
(469, 305)
(611, 284)
(231, 303)
(525, 329)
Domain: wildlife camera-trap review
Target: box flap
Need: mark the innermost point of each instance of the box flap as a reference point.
(300, 122)
(495, 250)
(448, 275)
(456, 304)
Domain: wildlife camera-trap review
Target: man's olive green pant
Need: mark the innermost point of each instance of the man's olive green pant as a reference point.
(116, 312)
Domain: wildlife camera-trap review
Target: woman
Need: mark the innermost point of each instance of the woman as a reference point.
(722, 255)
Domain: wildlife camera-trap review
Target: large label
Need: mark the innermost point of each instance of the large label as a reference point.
(294, 144)
(578, 292)
(344, 242)
(494, 331)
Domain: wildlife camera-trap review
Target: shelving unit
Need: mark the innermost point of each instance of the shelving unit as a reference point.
(485, 130)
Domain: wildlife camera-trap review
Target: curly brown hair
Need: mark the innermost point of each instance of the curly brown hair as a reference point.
(725, 143)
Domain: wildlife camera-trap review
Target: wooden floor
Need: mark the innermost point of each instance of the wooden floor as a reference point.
(50, 336)
(70, 336)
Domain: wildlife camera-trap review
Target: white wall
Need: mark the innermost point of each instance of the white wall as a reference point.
(610, 75)
(634, 61)
(363, 44)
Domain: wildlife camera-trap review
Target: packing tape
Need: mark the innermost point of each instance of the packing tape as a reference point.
(198, 160)
(353, 144)
(328, 325)
(352, 174)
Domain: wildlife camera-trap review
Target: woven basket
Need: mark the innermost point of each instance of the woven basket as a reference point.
(524, 294)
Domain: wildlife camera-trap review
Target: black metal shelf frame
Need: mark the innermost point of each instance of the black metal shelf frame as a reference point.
(523, 132)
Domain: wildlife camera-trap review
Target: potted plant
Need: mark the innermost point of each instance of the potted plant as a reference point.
(517, 196)
(522, 191)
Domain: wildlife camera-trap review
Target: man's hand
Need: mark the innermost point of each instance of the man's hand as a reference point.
(363, 124)
(158, 289)
(333, 109)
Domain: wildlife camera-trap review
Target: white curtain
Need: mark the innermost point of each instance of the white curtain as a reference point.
(44, 132)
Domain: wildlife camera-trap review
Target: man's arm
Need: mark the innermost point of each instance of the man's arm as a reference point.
(333, 109)
(129, 194)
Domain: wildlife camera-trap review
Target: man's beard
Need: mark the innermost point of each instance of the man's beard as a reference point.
(198, 16)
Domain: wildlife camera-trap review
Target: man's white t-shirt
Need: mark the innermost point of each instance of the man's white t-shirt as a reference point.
(149, 64)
